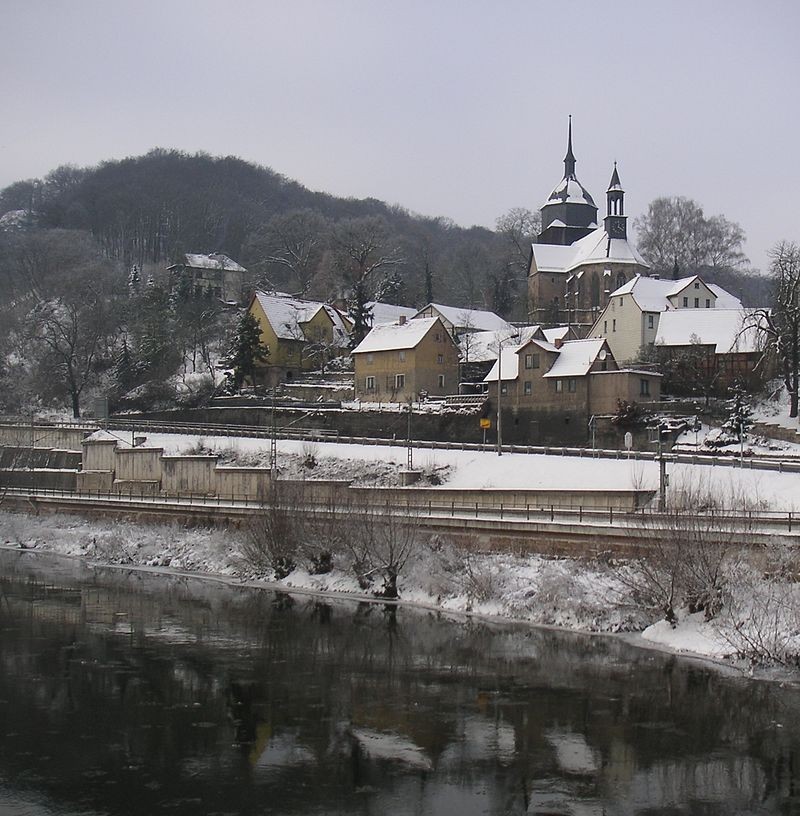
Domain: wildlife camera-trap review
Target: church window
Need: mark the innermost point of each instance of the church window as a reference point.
(595, 290)
(620, 279)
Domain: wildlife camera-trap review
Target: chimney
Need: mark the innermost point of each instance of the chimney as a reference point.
(558, 342)
(402, 320)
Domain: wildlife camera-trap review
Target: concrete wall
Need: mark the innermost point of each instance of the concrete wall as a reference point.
(138, 464)
(182, 475)
(44, 436)
(99, 454)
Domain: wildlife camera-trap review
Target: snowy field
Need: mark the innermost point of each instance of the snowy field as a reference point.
(477, 469)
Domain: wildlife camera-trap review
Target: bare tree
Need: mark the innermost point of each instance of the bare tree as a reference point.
(676, 232)
(781, 324)
(293, 242)
(364, 248)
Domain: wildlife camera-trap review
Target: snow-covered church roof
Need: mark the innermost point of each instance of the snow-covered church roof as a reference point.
(596, 247)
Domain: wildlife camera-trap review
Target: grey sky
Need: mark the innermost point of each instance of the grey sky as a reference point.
(452, 108)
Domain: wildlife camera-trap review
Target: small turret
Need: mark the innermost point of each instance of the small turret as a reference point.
(616, 220)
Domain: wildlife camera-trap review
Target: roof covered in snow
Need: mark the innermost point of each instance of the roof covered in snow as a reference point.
(396, 336)
(728, 330)
(596, 247)
(388, 313)
(556, 333)
(653, 294)
(215, 260)
(481, 347)
(287, 316)
(470, 319)
(575, 358)
(570, 191)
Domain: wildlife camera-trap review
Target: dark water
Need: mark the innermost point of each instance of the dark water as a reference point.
(131, 693)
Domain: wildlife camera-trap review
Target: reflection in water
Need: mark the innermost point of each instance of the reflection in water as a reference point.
(128, 692)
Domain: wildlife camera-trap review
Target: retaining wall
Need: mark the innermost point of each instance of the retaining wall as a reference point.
(44, 436)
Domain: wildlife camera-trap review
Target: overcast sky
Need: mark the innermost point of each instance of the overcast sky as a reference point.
(447, 107)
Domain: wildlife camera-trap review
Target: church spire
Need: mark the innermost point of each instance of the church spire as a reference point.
(569, 159)
(615, 207)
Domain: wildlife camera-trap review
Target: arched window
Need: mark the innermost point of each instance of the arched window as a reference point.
(620, 279)
(595, 290)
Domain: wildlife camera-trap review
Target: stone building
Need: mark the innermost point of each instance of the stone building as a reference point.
(575, 263)
(215, 275)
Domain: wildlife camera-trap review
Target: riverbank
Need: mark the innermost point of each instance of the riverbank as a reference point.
(580, 595)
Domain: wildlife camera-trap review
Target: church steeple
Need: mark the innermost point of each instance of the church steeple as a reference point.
(569, 159)
(616, 220)
(569, 212)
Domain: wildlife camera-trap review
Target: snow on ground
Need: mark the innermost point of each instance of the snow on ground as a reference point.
(486, 470)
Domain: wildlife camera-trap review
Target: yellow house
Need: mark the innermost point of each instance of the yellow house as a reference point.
(396, 362)
(302, 335)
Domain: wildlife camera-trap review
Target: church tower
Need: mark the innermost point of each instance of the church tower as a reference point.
(615, 220)
(569, 212)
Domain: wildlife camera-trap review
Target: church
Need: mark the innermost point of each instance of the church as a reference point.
(575, 263)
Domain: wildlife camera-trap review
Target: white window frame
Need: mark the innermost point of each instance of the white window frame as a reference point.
(527, 388)
(441, 381)
(369, 382)
(399, 382)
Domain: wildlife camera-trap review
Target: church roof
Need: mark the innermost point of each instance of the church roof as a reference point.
(596, 247)
(570, 191)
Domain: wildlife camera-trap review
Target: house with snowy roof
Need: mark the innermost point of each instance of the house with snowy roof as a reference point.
(631, 319)
(215, 275)
(565, 383)
(301, 335)
(706, 351)
(576, 263)
(382, 313)
(459, 320)
(399, 361)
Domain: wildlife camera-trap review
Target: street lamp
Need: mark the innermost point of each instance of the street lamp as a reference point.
(499, 392)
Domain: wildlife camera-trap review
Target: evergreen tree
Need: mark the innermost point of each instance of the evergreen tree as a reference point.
(247, 351)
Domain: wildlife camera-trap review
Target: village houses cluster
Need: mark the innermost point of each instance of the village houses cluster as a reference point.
(601, 328)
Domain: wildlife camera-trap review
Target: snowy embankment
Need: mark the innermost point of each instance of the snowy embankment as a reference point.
(456, 469)
(758, 616)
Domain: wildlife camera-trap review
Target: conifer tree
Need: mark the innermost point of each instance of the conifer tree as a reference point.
(247, 351)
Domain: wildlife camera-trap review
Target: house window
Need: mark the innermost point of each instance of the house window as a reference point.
(441, 381)
(370, 359)
(644, 388)
(572, 386)
(620, 301)
(440, 359)
(504, 388)
(369, 383)
(605, 327)
(402, 356)
(685, 302)
(614, 325)
(528, 361)
(536, 361)
(528, 389)
(559, 386)
(696, 285)
(650, 320)
(697, 303)
(399, 382)
(708, 303)
(438, 337)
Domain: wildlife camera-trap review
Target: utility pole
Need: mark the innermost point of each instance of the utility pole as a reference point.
(499, 392)
(273, 443)
(663, 481)
(410, 462)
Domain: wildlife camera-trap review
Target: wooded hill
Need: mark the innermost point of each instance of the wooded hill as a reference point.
(149, 210)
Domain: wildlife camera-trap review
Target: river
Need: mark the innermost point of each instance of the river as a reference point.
(132, 692)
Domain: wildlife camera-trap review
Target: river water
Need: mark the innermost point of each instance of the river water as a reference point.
(127, 692)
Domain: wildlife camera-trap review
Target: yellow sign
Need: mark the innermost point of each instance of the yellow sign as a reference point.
(486, 423)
